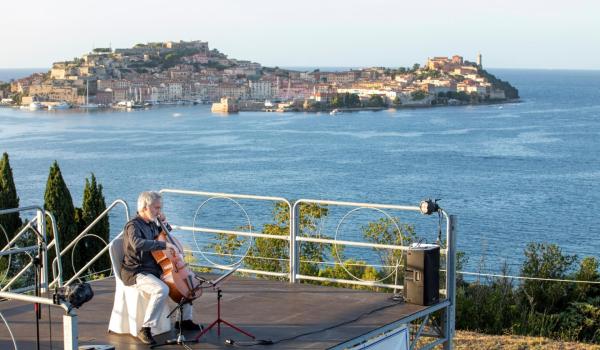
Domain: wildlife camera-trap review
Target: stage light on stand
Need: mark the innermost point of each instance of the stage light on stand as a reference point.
(429, 206)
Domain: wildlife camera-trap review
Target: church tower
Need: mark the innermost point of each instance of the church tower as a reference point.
(479, 62)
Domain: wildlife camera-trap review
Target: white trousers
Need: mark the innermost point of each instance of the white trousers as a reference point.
(158, 292)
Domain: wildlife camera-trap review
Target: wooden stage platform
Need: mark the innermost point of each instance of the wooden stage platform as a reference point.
(308, 316)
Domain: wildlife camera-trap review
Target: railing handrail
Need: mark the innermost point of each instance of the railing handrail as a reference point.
(243, 196)
(294, 237)
(98, 218)
(20, 209)
(81, 236)
(357, 204)
(39, 300)
(226, 195)
(41, 223)
(229, 232)
(56, 243)
(18, 235)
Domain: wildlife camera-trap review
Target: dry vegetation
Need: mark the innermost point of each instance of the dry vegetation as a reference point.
(471, 340)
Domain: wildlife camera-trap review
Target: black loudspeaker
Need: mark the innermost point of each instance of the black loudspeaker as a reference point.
(422, 275)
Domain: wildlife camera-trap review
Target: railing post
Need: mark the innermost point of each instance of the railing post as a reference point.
(450, 312)
(294, 261)
(70, 332)
(41, 227)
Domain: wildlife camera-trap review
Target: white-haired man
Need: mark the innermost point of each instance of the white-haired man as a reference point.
(139, 268)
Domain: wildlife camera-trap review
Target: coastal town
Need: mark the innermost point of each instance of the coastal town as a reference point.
(190, 72)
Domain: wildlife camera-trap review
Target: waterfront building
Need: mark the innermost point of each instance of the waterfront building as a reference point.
(227, 105)
(51, 92)
(470, 86)
(233, 90)
(261, 89)
(342, 77)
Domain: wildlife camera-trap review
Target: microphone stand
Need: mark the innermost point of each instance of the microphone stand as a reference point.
(37, 263)
(180, 340)
(216, 286)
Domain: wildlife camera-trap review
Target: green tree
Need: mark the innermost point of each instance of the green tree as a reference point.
(389, 231)
(9, 223)
(273, 254)
(588, 271)
(418, 95)
(356, 268)
(93, 205)
(58, 200)
(546, 261)
(376, 101)
(8, 199)
(580, 321)
(18, 98)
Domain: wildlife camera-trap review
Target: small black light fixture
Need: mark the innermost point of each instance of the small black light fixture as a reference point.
(429, 206)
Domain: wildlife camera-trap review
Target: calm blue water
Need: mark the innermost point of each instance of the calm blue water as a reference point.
(8, 74)
(512, 173)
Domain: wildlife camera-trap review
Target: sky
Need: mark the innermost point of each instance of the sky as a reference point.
(313, 33)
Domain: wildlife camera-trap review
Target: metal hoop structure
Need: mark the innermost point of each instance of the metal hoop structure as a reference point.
(9, 257)
(12, 337)
(249, 228)
(335, 249)
(75, 247)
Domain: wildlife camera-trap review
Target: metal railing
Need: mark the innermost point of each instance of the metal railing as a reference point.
(233, 197)
(40, 230)
(446, 306)
(58, 278)
(449, 251)
(70, 337)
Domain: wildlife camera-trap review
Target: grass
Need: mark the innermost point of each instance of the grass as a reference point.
(472, 340)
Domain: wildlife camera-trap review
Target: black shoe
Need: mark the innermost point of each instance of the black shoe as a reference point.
(188, 325)
(145, 336)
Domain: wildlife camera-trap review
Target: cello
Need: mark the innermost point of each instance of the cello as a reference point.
(182, 282)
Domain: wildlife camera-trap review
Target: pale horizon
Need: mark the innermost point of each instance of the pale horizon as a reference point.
(510, 35)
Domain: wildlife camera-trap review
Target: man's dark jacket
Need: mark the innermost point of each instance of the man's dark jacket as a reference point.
(138, 241)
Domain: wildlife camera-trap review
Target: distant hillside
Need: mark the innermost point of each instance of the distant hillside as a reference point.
(510, 91)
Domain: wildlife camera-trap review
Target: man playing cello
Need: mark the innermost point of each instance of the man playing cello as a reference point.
(141, 270)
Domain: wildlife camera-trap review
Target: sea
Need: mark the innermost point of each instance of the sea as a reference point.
(512, 173)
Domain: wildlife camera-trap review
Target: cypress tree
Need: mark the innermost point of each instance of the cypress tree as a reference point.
(58, 200)
(8, 200)
(93, 205)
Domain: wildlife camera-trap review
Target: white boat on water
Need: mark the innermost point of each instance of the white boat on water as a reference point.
(129, 104)
(35, 106)
(334, 112)
(89, 105)
(124, 104)
(60, 105)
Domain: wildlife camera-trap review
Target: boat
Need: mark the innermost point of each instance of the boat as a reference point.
(87, 97)
(60, 105)
(35, 106)
(89, 105)
(124, 104)
(334, 112)
(129, 104)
